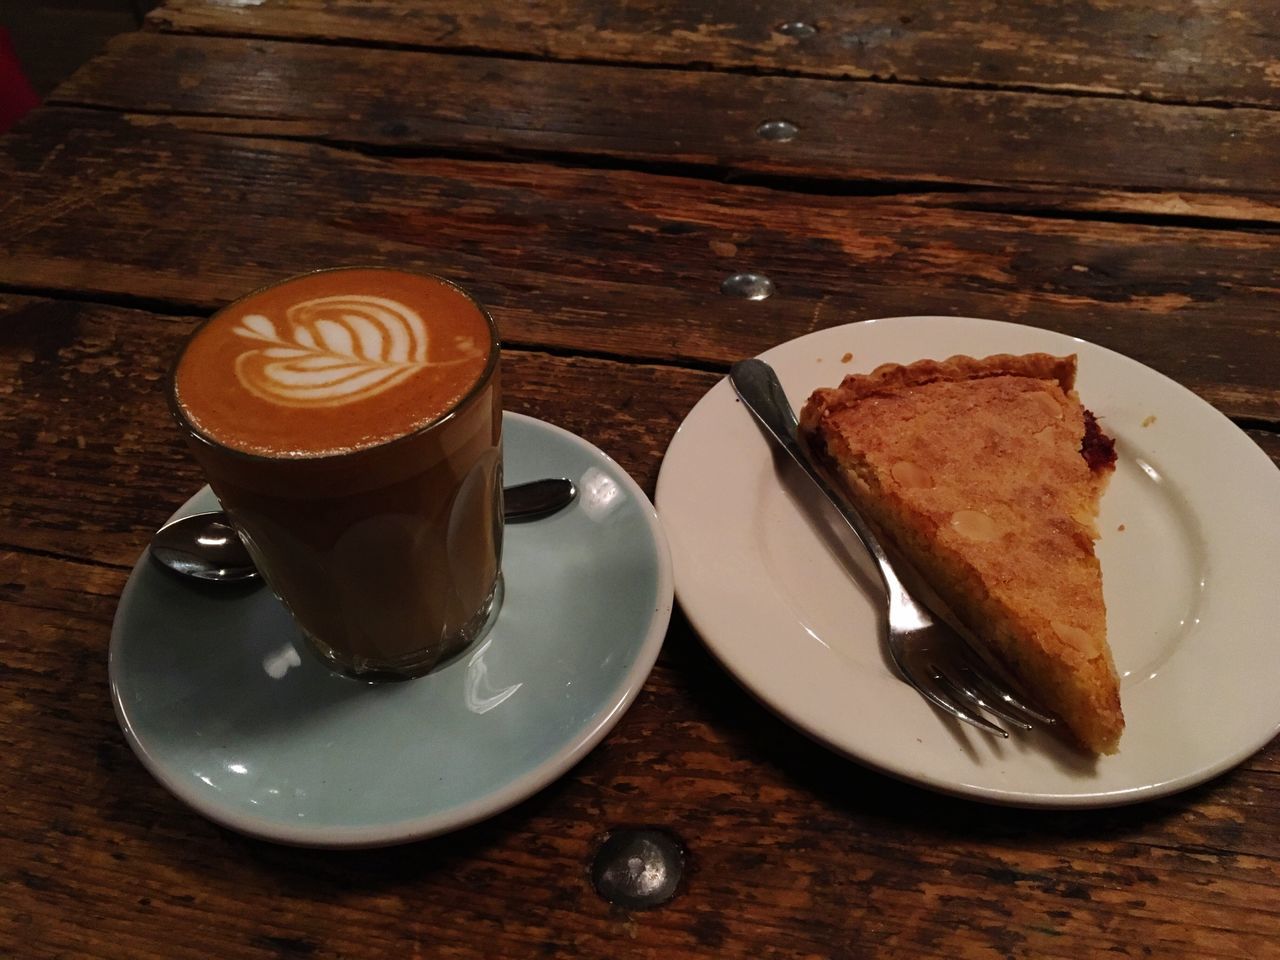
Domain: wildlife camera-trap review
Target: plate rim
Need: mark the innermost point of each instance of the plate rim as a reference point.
(575, 747)
(972, 788)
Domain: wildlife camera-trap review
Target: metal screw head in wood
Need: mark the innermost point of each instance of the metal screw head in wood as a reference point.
(779, 131)
(638, 868)
(797, 28)
(748, 286)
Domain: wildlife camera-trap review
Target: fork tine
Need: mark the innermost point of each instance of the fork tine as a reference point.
(1001, 701)
(982, 693)
(917, 667)
(988, 682)
(943, 693)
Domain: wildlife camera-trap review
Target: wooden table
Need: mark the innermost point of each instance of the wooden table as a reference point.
(593, 171)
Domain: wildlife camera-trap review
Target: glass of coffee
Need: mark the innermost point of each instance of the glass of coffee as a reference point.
(350, 422)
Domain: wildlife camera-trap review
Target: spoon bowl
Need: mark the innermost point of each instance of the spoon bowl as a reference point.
(203, 546)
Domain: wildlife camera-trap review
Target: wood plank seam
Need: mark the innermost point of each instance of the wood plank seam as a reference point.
(65, 558)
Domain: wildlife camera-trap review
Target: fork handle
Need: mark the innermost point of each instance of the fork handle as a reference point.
(758, 386)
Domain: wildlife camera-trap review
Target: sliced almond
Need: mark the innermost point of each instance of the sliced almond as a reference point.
(911, 474)
(974, 524)
(1073, 637)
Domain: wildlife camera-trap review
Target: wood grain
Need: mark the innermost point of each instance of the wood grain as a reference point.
(1163, 50)
(415, 101)
(1258, 212)
(618, 263)
(1156, 208)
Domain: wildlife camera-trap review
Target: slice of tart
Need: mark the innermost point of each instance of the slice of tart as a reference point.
(986, 474)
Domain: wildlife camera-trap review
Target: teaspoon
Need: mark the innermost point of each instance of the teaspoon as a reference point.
(205, 546)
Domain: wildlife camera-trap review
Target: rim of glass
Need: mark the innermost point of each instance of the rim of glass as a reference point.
(476, 388)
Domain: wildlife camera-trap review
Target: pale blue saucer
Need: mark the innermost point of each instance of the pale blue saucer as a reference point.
(224, 705)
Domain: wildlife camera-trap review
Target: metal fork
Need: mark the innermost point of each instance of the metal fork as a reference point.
(929, 654)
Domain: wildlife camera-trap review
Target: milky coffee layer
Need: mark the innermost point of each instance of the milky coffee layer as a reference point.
(331, 362)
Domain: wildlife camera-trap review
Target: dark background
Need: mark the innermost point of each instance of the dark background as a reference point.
(53, 37)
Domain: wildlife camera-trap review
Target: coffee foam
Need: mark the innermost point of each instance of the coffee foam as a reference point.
(332, 361)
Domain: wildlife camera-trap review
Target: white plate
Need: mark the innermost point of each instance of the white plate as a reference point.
(1190, 551)
(225, 705)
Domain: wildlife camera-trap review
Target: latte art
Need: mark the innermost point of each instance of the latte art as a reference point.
(333, 360)
(337, 350)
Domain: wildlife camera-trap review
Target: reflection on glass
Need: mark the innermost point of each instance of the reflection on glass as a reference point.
(480, 695)
(600, 494)
(280, 662)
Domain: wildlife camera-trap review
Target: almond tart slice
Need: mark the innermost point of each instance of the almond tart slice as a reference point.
(986, 474)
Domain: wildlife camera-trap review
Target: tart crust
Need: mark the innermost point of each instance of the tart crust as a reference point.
(986, 474)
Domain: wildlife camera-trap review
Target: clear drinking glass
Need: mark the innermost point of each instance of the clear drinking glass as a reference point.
(387, 551)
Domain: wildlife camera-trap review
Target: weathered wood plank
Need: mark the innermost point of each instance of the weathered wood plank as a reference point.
(1226, 211)
(847, 132)
(617, 263)
(1160, 50)
(794, 853)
